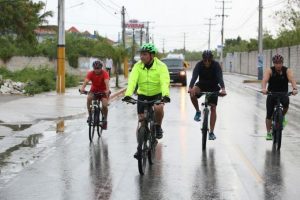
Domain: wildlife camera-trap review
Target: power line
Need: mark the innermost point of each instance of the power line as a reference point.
(119, 7)
(270, 5)
(246, 21)
(222, 29)
(100, 3)
(209, 30)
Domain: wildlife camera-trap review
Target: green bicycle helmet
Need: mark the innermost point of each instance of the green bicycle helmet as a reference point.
(148, 47)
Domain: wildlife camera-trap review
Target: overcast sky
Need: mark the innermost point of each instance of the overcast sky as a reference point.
(171, 19)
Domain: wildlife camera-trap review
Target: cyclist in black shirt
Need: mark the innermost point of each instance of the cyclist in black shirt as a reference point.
(210, 77)
(277, 77)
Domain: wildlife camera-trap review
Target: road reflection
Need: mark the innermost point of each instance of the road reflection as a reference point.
(274, 184)
(31, 141)
(151, 183)
(205, 183)
(183, 109)
(100, 170)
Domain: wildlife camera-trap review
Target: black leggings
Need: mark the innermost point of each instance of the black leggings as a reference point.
(271, 102)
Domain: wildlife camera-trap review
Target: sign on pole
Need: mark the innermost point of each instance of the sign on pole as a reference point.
(134, 24)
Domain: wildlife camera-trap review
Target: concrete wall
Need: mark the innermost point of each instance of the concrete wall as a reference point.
(21, 62)
(246, 62)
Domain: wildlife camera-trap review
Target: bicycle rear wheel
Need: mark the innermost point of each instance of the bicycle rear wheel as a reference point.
(99, 128)
(204, 128)
(142, 150)
(152, 145)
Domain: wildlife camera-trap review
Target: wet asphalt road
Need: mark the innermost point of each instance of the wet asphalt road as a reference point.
(240, 164)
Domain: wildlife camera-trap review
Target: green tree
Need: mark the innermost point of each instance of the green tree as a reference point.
(20, 18)
(290, 16)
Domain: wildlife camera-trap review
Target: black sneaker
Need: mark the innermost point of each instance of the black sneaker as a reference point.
(137, 155)
(88, 119)
(159, 131)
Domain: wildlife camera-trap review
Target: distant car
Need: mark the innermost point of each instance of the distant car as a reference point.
(177, 70)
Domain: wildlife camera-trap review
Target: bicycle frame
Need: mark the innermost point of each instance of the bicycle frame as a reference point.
(277, 119)
(205, 112)
(94, 116)
(146, 135)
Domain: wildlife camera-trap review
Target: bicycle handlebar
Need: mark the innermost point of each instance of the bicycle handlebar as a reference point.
(134, 101)
(216, 93)
(278, 93)
(95, 93)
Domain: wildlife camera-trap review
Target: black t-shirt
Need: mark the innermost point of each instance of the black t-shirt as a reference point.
(278, 82)
(211, 76)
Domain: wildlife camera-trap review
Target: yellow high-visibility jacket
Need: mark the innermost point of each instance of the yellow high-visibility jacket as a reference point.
(150, 81)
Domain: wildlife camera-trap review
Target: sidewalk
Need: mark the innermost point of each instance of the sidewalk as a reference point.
(50, 106)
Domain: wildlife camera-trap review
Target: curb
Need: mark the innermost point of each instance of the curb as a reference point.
(117, 93)
(251, 81)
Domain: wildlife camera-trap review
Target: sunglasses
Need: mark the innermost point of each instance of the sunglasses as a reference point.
(97, 67)
(206, 60)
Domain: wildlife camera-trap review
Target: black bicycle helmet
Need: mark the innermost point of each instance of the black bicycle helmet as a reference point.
(207, 55)
(97, 64)
(277, 58)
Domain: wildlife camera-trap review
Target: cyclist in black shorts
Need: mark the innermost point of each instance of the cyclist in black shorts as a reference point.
(210, 77)
(277, 77)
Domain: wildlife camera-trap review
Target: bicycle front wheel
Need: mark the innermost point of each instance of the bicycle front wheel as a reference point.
(277, 133)
(152, 146)
(204, 128)
(92, 126)
(142, 150)
(99, 128)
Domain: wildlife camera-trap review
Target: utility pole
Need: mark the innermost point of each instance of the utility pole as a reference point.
(209, 31)
(147, 32)
(124, 47)
(60, 80)
(133, 46)
(141, 37)
(222, 29)
(260, 43)
(184, 44)
(163, 47)
(123, 26)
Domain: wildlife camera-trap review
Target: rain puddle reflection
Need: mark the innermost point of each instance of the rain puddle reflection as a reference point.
(30, 142)
(17, 127)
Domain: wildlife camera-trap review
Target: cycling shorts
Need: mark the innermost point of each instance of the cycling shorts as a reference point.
(213, 99)
(141, 106)
(271, 102)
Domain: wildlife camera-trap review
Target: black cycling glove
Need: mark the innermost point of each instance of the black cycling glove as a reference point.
(166, 99)
(126, 98)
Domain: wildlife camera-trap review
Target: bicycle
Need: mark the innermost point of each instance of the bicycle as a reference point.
(277, 118)
(146, 134)
(95, 115)
(205, 112)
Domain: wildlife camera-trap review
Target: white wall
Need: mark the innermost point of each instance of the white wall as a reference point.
(246, 62)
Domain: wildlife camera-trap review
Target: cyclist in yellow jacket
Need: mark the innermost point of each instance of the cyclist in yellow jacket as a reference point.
(153, 80)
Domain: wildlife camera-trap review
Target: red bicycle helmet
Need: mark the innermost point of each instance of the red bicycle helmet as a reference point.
(277, 58)
(97, 64)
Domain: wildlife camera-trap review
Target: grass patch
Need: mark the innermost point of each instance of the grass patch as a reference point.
(38, 80)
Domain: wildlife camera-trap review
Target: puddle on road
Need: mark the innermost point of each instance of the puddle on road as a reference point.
(30, 142)
(17, 127)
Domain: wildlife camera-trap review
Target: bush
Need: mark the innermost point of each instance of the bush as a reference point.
(38, 80)
(7, 49)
